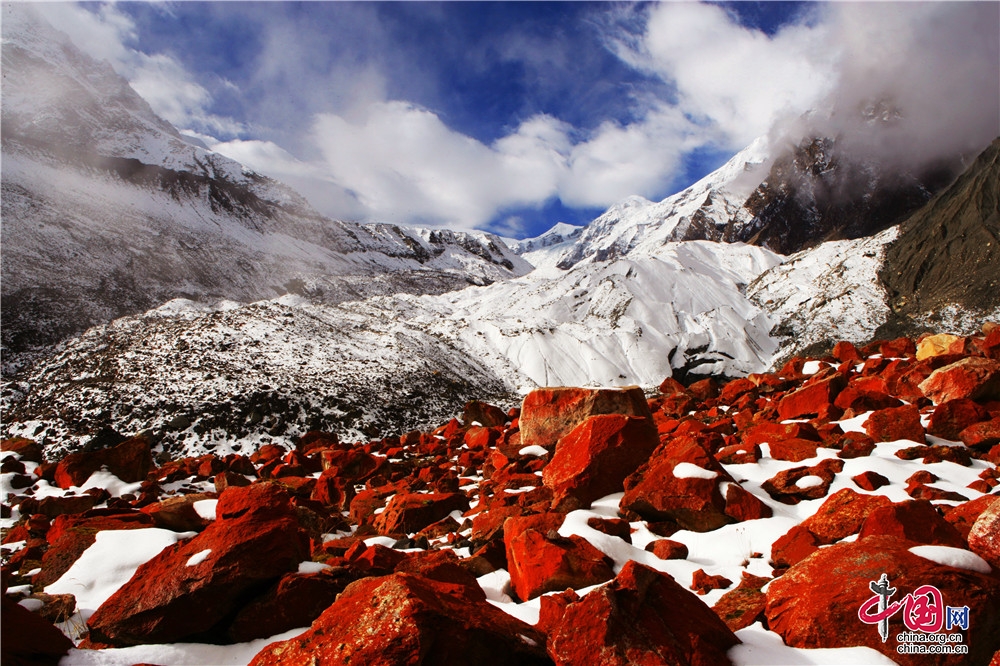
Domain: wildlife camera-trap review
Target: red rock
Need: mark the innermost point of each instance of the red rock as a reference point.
(923, 491)
(229, 479)
(816, 603)
(254, 540)
(742, 505)
(964, 516)
(666, 549)
(29, 639)
(332, 490)
(793, 450)
(57, 506)
(845, 351)
(870, 480)
(735, 389)
(743, 605)
(704, 389)
(671, 386)
(612, 526)
(950, 418)
(936, 453)
(375, 559)
(855, 445)
(26, 449)
(178, 513)
(594, 459)
(768, 432)
(788, 486)
(479, 438)
(915, 520)
(738, 454)
(984, 537)
(130, 461)
(483, 413)
(974, 377)
(407, 513)
(982, 436)
(656, 493)
(812, 398)
(860, 400)
(551, 609)
(351, 464)
(267, 453)
(644, 617)
(898, 348)
(542, 522)
(794, 546)
(409, 619)
(703, 583)
(540, 563)
(548, 414)
(842, 514)
(294, 601)
(895, 423)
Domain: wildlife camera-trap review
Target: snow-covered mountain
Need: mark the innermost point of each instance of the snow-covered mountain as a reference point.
(108, 211)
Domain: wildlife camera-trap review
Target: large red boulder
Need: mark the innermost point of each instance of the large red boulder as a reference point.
(409, 619)
(189, 589)
(743, 605)
(984, 537)
(642, 617)
(540, 563)
(547, 414)
(130, 461)
(679, 483)
(982, 436)
(895, 423)
(842, 514)
(594, 458)
(483, 413)
(974, 377)
(817, 603)
(29, 639)
(407, 513)
(812, 399)
(952, 417)
(914, 520)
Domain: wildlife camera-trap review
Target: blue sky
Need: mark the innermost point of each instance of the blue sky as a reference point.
(505, 116)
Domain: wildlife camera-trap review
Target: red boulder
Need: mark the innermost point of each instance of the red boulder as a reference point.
(548, 414)
(974, 377)
(984, 537)
(130, 461)
(842, 514)
(914, 520)
(409, 619)
(642, 617)
(190, 588)
(816, 603)
(540, 563)
(407, 513)
(950, 418)
(680, 483)
(895, 423)
(594, 459)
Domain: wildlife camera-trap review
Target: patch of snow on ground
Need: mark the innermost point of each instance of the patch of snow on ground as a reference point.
(109, 563)
(957, 558)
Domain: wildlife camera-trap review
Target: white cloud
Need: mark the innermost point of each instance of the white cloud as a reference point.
(172, 91)
(405, 164)
(733, 80)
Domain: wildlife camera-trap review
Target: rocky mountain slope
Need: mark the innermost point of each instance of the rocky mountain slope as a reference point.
(108, 211)
(738, 522)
